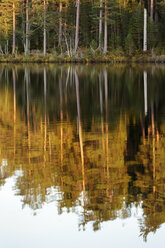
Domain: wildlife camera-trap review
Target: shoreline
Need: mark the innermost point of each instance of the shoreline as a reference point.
(109, 59)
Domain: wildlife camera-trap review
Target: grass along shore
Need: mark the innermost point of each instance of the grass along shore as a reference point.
(85, 56)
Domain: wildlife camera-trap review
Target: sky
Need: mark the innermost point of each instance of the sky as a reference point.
(21, 228)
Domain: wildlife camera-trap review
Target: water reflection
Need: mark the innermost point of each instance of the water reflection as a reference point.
(89, 136)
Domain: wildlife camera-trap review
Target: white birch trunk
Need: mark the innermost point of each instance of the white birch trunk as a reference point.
(145, 31)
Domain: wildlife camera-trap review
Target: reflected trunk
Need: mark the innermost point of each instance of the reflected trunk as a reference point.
(145, 93)
(27, 79)
(61, 124)
(45, 102)
(14, 91)
(80, 133)
(106, 122)
(153, 144)
(102, 119)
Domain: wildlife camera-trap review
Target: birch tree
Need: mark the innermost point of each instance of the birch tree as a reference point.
(77, 24)
(145, 31)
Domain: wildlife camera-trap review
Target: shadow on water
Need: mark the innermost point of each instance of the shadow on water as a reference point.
(96, 134)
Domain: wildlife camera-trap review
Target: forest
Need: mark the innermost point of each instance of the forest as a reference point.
(81, 28)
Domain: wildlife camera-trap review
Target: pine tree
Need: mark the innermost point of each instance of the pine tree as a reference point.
(6, 22)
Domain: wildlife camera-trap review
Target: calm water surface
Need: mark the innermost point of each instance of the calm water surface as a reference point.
(82, 156)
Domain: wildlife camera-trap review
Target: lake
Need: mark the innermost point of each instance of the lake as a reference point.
(82, 156)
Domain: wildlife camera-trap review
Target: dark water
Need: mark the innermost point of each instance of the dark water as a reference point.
(82, 156)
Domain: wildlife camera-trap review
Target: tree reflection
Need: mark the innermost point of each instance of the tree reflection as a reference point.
(116, 158)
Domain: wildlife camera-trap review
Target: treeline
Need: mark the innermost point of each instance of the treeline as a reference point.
(63, 26)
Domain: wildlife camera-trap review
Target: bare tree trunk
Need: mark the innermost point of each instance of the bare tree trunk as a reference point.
(7, 47)
(60, 25)
(77, 25)
(100, 24)
(145, 31)
(45, 9)
(152, 10)
(105, 26)
(27, 29)
(13, 48)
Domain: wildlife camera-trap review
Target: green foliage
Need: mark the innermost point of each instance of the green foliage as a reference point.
(135, 29)
(125, 25)
(153, 34)
(129, 44)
